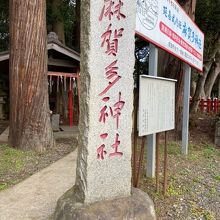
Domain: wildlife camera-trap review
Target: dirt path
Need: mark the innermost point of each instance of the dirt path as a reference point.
(3, 125)
(35, 198)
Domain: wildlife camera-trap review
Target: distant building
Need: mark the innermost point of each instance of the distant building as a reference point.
(63, 81)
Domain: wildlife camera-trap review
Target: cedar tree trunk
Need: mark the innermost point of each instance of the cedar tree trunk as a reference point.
(174, 70)
(30, 126)
(201, 82)
(76, 32)
(213, 75)
(58, 24)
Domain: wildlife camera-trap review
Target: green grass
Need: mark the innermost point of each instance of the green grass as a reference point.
(3, 186)
(174, 148)
(187, 178)
(12, 161)
(217, 177)
(174, 191)
(7, 184)
(209, 151)
(200, 212)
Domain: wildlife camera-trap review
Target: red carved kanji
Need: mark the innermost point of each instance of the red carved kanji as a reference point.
(111, 71)
(104, 111)
(109, 10)
(115, 146)
(118, 106)
(117, 11)
(101, 152)
(111, 44)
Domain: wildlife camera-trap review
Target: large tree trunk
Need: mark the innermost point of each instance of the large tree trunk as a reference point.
(212, 76)
(76, 34)
(201, 82)
(174, 70)
(199, 90)
(30, 126)
(58, 24)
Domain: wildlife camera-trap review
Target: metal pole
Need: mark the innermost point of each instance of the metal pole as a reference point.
(151, 139)
(140, 161)
(157, 162)
(186, 95)
(165, 165)
(134, 149)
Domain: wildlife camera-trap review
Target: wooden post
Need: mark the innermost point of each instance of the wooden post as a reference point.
(208, 105)
(141, 156)
(78, 92)
(202, 104)
(134, 153)
(70, 106)
(215, 105)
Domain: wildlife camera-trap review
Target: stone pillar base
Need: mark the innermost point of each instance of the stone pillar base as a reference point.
(138, 206)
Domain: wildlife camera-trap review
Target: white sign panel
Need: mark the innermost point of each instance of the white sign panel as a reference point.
(156, 105)
(165, 24)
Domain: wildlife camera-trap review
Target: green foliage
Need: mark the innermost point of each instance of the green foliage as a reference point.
(142, 59)
(208, 19)
(4, 25)
(66, 13)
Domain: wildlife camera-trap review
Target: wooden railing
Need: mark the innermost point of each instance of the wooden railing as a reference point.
(209, 105)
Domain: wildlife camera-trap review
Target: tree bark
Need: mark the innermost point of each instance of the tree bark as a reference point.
(210, 81)
(174, 70)
(218, 87)
(58, 24)
(76, 34)
(30, 126)
(201, 82)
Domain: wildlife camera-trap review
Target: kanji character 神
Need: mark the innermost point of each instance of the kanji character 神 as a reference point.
(117, 109)
(104, 111)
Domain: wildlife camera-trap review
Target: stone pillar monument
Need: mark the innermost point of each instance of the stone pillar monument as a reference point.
(103, 182)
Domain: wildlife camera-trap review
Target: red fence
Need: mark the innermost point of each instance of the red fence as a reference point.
(209, 105)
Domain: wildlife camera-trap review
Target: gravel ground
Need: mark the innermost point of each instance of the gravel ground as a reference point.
(194, 180)
(193, 186)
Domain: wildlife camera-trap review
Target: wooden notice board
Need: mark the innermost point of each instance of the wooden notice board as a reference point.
(156, 105)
